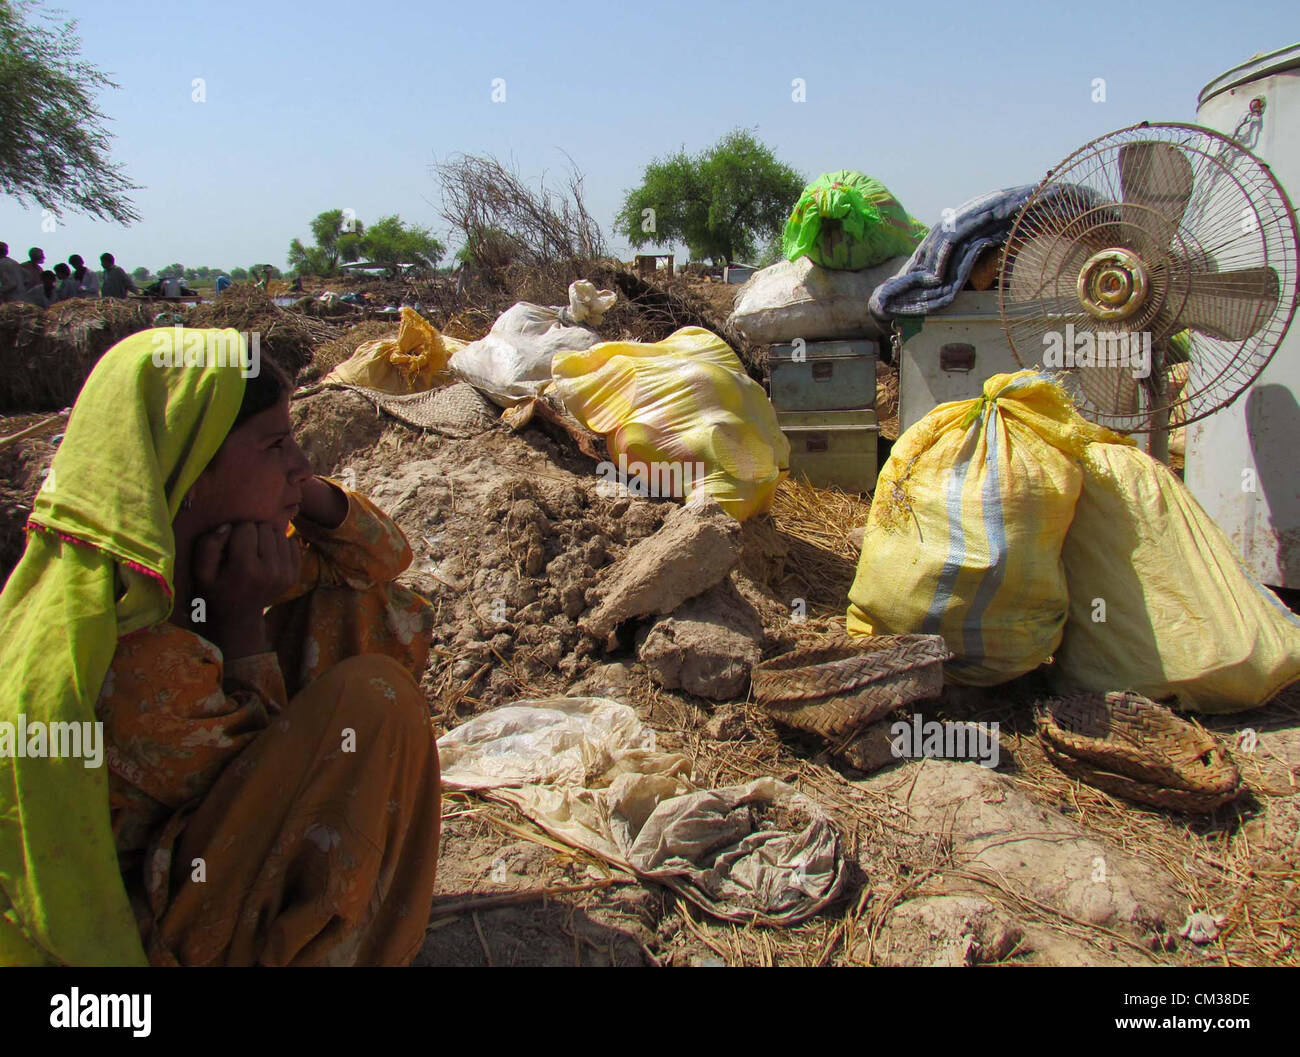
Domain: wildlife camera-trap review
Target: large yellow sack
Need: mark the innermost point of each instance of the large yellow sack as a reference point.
(966, 526)
(414, 361)
(1159, 601)
(681, 414)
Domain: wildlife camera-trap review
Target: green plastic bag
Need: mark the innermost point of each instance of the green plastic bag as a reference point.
(849, 221)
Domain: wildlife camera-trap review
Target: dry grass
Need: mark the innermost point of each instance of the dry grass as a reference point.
(887, 400)
(287, 337)
(1220, 863)
(822, 557)
(46, 354)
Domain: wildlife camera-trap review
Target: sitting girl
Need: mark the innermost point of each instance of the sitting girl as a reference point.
(272, 792)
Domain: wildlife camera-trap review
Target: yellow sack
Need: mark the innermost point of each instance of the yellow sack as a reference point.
(677, 415)
(1159, 601)
(966, 526)
(412, 362)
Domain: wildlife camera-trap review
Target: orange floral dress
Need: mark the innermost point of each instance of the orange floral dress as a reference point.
(283, 808)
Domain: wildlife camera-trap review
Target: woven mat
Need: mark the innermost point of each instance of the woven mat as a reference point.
(457, 410)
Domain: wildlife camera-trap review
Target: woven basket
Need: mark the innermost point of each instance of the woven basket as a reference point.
(1128, 745)
(834, 689)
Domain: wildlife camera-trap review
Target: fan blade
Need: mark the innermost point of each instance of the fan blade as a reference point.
(1111, 390)
(1155, 177)
(1230, 305)
(1045, 266)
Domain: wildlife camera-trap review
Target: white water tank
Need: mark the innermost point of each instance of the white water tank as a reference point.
(1243, 462)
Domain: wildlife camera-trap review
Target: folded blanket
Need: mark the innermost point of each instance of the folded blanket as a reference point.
(940, 266)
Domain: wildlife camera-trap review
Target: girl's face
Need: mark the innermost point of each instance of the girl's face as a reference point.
(257, 475)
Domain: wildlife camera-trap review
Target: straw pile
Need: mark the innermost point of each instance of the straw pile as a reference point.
(46, 354)
(288, 338)
(822, 558)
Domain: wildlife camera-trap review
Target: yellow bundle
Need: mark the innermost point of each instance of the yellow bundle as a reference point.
(412, 362)
(1159, 601)
(966, 528)
(677, 415)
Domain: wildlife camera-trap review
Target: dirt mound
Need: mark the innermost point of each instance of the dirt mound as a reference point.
(289, 338)
(46, 354)
(23, 464)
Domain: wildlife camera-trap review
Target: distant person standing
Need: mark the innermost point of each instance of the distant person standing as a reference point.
(67, 288)
(13, 283)
(116, 282)
(87, 281)
(34, 266)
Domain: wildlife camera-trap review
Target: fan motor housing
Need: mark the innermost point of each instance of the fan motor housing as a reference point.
(1113, 284)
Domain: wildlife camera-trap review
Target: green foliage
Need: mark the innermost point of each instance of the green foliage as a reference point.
(172, 271)
(722, 203)
(333, 242)
(339, 238)
(257, 271)
(141, 274)
(238, 275)
(349, 246)
(309, 260)
(390, 241)
(53, 147)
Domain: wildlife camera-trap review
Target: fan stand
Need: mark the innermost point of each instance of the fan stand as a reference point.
(1158, 436)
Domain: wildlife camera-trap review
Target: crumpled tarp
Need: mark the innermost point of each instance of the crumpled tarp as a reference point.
(587, 772)
(413, 362)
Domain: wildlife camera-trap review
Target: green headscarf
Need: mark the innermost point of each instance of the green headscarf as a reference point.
(99, 562)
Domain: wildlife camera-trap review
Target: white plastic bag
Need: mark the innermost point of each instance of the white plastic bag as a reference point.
(512, 363)
(587, 772)
(799, 299)
(587, 304)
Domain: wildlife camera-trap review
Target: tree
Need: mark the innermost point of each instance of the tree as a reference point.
(141, 274)
(172, 271)
(309, 260)
(723, 203)
(53, 147)
(338, 237)
(258, 270)
(238, 275)
(392, 242)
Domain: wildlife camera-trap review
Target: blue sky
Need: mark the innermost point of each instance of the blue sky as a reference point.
(341, 104)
